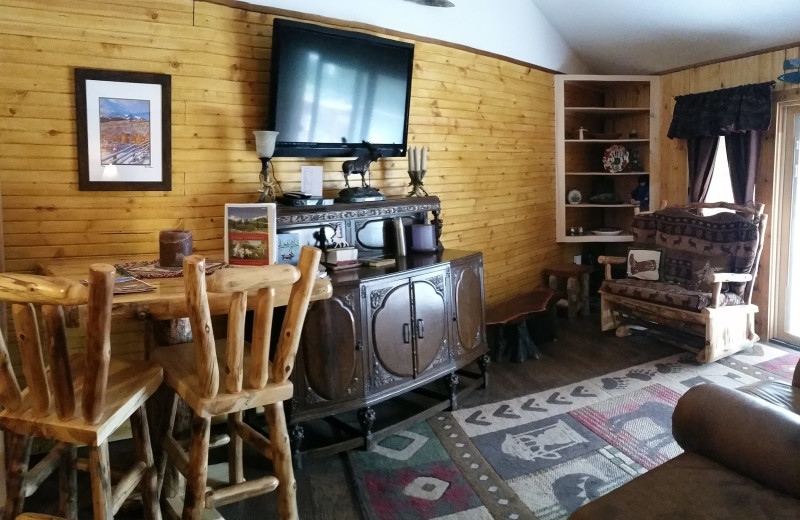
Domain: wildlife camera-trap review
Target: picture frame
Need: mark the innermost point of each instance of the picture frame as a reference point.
(250, 234)
(124, 130)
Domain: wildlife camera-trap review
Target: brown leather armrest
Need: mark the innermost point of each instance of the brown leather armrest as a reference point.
(744, 433)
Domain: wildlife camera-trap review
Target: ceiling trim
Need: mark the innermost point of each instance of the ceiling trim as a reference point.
(731, 58)
(237, 4)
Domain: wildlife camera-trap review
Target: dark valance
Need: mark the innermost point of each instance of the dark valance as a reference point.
(722, 112)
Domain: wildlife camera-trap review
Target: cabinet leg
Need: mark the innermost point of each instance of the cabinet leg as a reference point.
(585, 294)
(297, 433)
(483, 364)
(367, 416)
(452, 385)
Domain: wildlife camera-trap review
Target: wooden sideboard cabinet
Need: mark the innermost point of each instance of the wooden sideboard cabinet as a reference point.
(388, 333)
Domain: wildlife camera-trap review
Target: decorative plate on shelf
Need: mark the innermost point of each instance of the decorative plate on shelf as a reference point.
(574, 196)
(615, 158)
(605, 231)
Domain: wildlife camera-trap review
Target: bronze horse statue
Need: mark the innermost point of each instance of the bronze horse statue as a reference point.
(360, 165)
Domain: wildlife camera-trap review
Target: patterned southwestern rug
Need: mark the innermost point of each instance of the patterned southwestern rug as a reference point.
(545, 454)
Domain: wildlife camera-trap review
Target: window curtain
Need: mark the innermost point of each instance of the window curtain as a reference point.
(702, 150)
(738, 113)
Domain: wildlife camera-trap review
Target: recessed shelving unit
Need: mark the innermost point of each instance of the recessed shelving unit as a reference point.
(614, 110)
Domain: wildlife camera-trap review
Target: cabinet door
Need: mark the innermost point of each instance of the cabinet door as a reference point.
(469, 327)
(389, 329)
(430, 321)
(331, 352)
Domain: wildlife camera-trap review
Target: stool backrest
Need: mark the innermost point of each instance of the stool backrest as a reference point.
(27, 292)
(237, 281)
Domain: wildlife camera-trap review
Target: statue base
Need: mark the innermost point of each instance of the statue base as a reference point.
(363, 194)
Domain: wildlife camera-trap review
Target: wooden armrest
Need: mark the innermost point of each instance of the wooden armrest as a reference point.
(607, 261)
(729, 277)
(611, 259)
(717, 279)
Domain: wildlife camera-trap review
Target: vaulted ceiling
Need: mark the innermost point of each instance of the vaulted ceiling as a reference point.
(649, 36)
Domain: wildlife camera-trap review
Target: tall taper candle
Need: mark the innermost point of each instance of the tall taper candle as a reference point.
(416, 158)
(424, 163)
(412, 166)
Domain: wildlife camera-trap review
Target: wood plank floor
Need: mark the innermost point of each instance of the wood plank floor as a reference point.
(580, 352)
(324, 489)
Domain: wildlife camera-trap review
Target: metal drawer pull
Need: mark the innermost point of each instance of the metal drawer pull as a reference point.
(406, 333)
(420, 328)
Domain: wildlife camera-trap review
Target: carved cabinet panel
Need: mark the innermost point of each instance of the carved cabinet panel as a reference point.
(331, 355)
(469, 322)
(406, 328)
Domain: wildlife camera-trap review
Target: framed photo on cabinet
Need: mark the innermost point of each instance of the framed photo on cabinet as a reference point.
(250, 234)
(124, 130)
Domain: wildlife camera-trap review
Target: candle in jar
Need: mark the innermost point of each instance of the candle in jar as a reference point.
(174, 244)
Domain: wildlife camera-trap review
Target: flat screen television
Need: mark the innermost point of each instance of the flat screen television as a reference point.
(331, 90)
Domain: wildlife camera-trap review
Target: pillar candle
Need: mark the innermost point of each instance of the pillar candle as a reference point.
(424, 163)
(411, 165)
(173, 245)
(416, 159)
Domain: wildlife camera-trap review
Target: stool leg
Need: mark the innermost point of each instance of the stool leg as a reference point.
(585, 293)
(572, 296)
(100, 474)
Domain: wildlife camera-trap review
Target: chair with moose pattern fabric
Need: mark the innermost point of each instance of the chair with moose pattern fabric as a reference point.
(703, 283)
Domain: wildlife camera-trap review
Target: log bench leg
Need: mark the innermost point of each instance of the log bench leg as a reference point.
(526, 348)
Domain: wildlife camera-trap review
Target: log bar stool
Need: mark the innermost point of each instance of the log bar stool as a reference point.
(249, 380)
(110, 391)
(577, 292)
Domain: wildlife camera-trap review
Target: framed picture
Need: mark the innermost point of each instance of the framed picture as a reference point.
(250, 234)
(123, 130)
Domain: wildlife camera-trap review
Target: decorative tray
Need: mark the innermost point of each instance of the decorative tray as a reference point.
(606, 231)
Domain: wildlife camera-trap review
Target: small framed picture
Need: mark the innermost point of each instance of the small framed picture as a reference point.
(123, 123)
(250, 234)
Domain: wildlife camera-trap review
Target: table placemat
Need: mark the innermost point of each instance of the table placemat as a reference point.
(150, 269)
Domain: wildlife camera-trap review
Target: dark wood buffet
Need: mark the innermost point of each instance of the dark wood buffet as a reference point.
(387, 332)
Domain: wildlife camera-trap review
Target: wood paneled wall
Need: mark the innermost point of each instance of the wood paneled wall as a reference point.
(488, 123)
(674, 176)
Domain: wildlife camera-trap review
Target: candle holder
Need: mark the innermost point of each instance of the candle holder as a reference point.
(416, 183)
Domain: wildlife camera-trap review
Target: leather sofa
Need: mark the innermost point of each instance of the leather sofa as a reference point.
(741, 460)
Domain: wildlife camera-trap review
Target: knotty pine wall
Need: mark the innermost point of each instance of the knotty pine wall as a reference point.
(488, 122)
(674, 177)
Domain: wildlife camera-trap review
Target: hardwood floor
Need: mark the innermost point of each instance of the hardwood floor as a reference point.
(581, 352)
(324, 489)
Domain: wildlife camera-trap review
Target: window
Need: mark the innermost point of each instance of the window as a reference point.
(720, 188)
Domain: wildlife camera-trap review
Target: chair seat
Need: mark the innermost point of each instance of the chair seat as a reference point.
(130, 383)
(180, 373)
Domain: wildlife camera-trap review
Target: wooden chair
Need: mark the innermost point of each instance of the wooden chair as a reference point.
(249, 380)
(110, 392)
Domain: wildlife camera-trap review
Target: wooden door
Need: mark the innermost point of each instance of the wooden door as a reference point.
(430, 321)
(469, 327)
(331, 352)
(389, 329)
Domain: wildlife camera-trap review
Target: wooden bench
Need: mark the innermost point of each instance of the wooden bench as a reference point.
(508, 324)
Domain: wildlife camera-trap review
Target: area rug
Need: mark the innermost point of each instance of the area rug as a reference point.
(541, 456)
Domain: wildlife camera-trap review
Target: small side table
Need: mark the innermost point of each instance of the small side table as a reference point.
(577, 285)
(508, 324)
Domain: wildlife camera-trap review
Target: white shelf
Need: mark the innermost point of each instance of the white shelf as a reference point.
(607, 110)
(600, 205)
(607, 173)
(619, 140)
(597, 238)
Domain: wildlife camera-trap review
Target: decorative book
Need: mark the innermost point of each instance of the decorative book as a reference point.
(250, 234)
(288, 244)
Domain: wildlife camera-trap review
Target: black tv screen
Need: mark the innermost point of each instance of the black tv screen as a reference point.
(331, 90)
